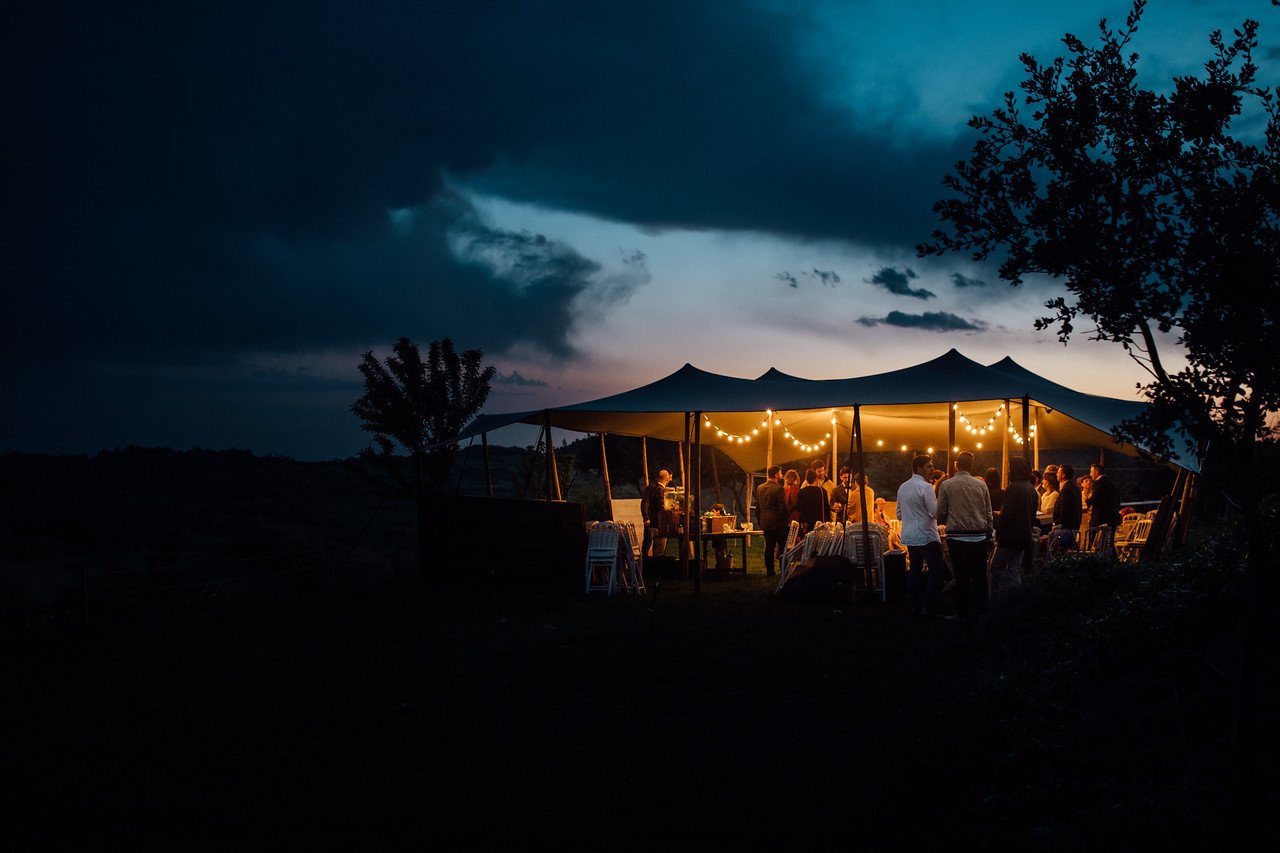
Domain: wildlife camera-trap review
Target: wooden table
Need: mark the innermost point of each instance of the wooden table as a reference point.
(743, 536)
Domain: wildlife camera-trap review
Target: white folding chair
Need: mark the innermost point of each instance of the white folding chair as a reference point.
(602, 559)
(635, 563)
(871, 562)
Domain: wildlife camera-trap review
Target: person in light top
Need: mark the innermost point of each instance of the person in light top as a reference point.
(918, 510)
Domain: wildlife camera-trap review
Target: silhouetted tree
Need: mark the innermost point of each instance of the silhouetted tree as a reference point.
(416, 403)
(1164, 228)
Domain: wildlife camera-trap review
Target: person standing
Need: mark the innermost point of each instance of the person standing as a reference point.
(1013, 530)
(812, 502)
(855, 499)
(823, 481)
(993, 486)
(1068, 509)
(1105, 500)
(964, 506)
(791, 492)
(1049, 490)
(918, 511)
(652, 506)
(840, 497)
(771, 499)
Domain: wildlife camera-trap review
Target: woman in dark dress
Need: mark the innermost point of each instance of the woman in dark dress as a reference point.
(993, 485)
(812, 501)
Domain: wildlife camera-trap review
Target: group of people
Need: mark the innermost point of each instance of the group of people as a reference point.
(983, 519)
(784, 498)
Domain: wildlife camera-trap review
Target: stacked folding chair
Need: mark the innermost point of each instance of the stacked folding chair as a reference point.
(635, 562)
(870, 562)
(604, 550)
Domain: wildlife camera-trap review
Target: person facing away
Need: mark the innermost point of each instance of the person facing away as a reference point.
(772, 501)
(918, 510)
(964, 506)
(651, 507)
(993, 486)
(811, 502)
(855, 500)
(791, 486)
(1067, 510)
(1105, 500)
(1013, 530)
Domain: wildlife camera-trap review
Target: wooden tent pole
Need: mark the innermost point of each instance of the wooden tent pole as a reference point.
(951, 439)
(855, 440)
(644, 457)
(604, 472)
(695, 506)
(1026, 428)
(684, 484)
(862, 492)
(488, 472)
(1035, 443)
(1004, 446)
(549, 460)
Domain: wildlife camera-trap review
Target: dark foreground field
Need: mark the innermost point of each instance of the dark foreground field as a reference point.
(464, 715)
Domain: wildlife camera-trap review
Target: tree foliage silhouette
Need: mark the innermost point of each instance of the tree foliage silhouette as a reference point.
(416, 403)
(1163, 224)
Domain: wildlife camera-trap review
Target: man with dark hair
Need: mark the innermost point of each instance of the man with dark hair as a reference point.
(652, 504)
(1069, 508)
(820, 472)
(1013, 530)
(918, 511)
(1105, 500)
(840, 497)
(772, 501)
(964, 506)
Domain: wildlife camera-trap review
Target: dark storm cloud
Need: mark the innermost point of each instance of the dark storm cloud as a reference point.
(827, 278)
(517, 379)
(189, 184)
(932, 321)
(964, 281)
(897, 282)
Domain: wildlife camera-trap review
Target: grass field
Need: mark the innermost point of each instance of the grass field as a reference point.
(465, 715)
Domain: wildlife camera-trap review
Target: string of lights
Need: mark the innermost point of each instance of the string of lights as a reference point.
(729, 437)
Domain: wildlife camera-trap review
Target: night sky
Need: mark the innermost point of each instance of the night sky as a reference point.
(211, 212)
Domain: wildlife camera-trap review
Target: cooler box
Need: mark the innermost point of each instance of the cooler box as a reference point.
(895, 574)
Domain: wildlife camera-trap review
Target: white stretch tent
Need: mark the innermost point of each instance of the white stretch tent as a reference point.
(915, 406)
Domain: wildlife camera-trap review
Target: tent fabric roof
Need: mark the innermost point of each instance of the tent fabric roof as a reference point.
(910, 406)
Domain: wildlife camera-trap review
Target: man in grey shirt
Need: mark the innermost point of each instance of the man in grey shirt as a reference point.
(964, 506)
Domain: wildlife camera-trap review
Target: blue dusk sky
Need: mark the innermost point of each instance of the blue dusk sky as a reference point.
(212, 211)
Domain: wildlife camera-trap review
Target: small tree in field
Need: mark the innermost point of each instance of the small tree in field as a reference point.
(1160, 223)
(415, 404)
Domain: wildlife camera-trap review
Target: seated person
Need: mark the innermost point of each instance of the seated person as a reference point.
(722, 547)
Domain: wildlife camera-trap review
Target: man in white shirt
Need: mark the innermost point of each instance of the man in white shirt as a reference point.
(918, 511)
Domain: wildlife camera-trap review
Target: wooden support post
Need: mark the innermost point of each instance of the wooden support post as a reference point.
(695, 505)
(1035, 443)
(488, 472)
(1026, 429)
(1004, 446)
(644, 457)
(604, 471)
(684, 484)
(862, 495)
(951, 439)
(549, 460)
